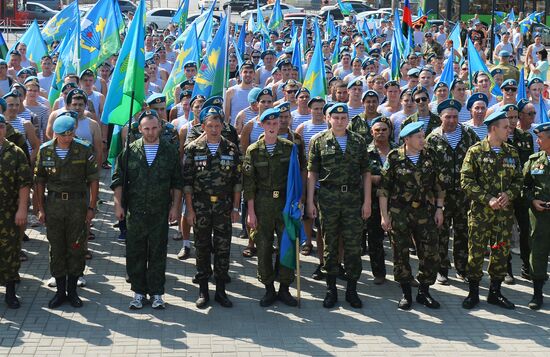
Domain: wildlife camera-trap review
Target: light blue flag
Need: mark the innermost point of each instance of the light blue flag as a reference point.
(522, 92)
(420, 12)
(345, 7)
(237, 53)
(261, 27)
(335, 58)
(276, 18)
(64, 61)
(455, 37)
(315, 79)
(180, 17)
(297, 57)
(303, 38)
(448, 74)
(512, 16)
(36, 47)
(57, 27)
(476, 64)
(241, 44)
(251, 25)
(204, 24)
(543, 110)
(395, 57)
(120, 24)
(400, 37)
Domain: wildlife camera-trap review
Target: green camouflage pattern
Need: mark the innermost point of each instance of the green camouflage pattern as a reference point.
(536, 185)
(17, 138)
(228, 131)
(15, 173)
(411, 191)
(484, 174)
(212, 180)
(435, 122)
(340, 212)
(359, 125)
(168, 133)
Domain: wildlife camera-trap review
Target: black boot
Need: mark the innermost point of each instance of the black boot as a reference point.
(221, 296)
(351, 295)
(443, 276)
(526, 271)
(332, 295)
(269, 297)
(342, 273)
(72, 296)
(406, 301)
(472, 299)
(423, 297)
(496, 298)
(204, 298)
(61, 295)
(536, 301)
(11, 298)
(285, 297)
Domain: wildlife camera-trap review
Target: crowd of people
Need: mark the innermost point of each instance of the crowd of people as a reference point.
(414, 160)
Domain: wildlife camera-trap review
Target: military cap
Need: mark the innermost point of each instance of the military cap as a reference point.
(24, 71)
(391, 83)
(455, 82)
(496, 71)
(504, 53)
(315, 100)
(32, 79)
(190, 64)
(370, 93)
(475, 98)
(413, 72)
(186, 93)
(327, 106)
(439, 85)
(374, 51)
(3, 62)
(156, 98)
(509, 83)
(541, 128)
(248, 64)
(411, 128)
(269, 114)
(215, 101)
(70, 85)
(76, 92)
(406, 91)
(367, 62)
(265, 91)
(198, 96)
(522, 103)
(283, 62)
(302, 90)
(509, 107)
(70, 113)
(536, 34)
(291, 83)
(381, 119)
(267, 52)
(355, 83)
(148, 113)
(253, 94)
(494, 117)
(208, 111)
(274, 70)
(188, 82)
(63, 124)
(160, 48)
(87, 72)
(385, 43)
(476, 74)
(288, 50)
(448, 103)
(283, 107)
(419, 89)
(3, 104)
(534, 81)
(338, 108)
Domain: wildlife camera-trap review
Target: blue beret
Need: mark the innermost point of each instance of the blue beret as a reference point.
(156, 98)
(3, 104)
(148, 113)
(381, 119)
(188, 82)
(455, 82)
(315, 100)
(509, 107)
(327, 106)
(24, 71)
(534, 81)
(345, 38)
(70, 85)
(279, 42)
(216, 101)
(274, 70)
(385, 43)
(494, 117)
(509, 83)
(449, 103)
(267, 52)
(87, 72)
(405, 91)
(70, 113)
(476, 97)
(439, 85)
(413, 72)
(302, 90)
(339, 108)
(504, 53)
(169, 37)
(370, 93)
(253, 95)
(522, 103)
(208, 111)
(476, 74)
(160, 48)
(367, 62)
(411, 128)
(76, 91)
(265, 91)
(283, 62)
(2, 119)
(273, 32)
(355, 83)
(190, 64)
(13, 93)
(496, 71)
(374, 51)
(284, 107)
(3, 62)
(186, 93)
(248, 64)
(419, 89)
(63, 124)
(32, 79)
(536, 34)
(541, 127)
(269, 114)
(427, 69)
(198, 96)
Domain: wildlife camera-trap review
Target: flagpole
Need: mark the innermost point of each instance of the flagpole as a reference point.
(225, 74)
(298, 290)
(127, 145)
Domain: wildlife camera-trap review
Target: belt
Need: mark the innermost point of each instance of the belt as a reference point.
(65, 196)
(341, 188)
(273, 193)
(403, 204)
(213, 198)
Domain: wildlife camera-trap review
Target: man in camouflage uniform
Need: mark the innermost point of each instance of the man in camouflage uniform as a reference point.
(338, 160)
(536, 191)
(264, 179)
(523, 142)
(360, 124)
(15, 182)
(212, 187)
(423, 115)
(409, 188)
(67, 167)
(228, 131)
(448, 145)
(153, 180)
(491, 178)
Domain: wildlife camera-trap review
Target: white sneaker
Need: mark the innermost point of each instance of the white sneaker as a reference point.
(137, 303)
(81, 282)
(515, 251)
(52, 283)
(158, 303)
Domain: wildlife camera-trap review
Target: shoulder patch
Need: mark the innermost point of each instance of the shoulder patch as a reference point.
(82, 142)
(47, 143)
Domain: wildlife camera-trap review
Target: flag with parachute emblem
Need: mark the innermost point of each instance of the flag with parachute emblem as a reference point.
(180, 17)
(57, 27)
(475, 63)
(345, 7)
(315, 79)
(36, 47)
(276, 17)
(3, 47)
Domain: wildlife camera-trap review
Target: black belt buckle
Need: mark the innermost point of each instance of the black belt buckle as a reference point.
(64, 196)
(344, 188)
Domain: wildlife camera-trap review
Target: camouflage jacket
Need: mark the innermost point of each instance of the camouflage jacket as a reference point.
(17, 138)
(523, 142)
(218, 174)
(168, 133)
(447, 160)
(228, 131)
(485, 173)
(72, 174)
(359, 125)
(536, 177)
(434, 122)
(299, 141)
(403, 182)
(376, 164)
(15, 173)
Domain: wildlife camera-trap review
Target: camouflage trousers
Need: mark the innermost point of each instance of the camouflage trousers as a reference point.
(418, 223)
(375, 238)
(212, 235)
(493, 228)
(340, 218)
(269, 216)
(10, 245)
(67, 232)
(456, 212)
(540, 243)
(146, 249)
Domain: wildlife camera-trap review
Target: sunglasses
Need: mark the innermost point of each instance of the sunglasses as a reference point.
(531, 113)
(423, 99)
(510, 89)
(291, 91)
(255, 56)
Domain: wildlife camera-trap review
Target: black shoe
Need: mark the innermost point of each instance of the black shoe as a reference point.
(221, 296)
(204, 298)
(60, 296)
(285, 296)
(184, 253)
(423, 297)
(525, 272)
(332, 295)
(496, 298)
(536, 301)
(318, 273)
(11, 299)
(406, 301)
(72, 296)
(269, 297)
(351, 295)
(342, 273)
(472, 300)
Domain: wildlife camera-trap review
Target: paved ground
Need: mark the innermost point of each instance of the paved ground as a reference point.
(105, 325)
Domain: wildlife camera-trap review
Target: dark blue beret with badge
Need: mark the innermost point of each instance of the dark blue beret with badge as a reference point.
(216, 101)
(449, 103)
(327, 106)
(70, 113)
(494, 117)
(338, 108)
(13, 93)
(419, 89)
(355, 83)
(381, 119)
(188, 82)
(63, 124)
(411, 128)
(509, 107)
(475, 98)
(534, 81)
(87, 72)
(3, 104)
(440, 84)
(370, 93)
(541, 128)
(284, 107)
(2, 119)
(148, 113)
(509, 83)
(315, 100)
(522, 103)
(208, 111)
(496, 71)
(70, 85)
(156, 98)
(265, 91)
(76, 92)
(270, 114)
(197, 97)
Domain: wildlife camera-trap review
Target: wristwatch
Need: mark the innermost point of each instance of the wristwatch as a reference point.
(235, 210)
(442, 207)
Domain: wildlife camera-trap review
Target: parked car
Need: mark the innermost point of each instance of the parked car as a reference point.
(193, 17)
(298, 17)
(206, 4)
(127, 6)
(242, 5)
(52, 4)
(161, 17)
(358, 6)
(39, 12)
(268, 9)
